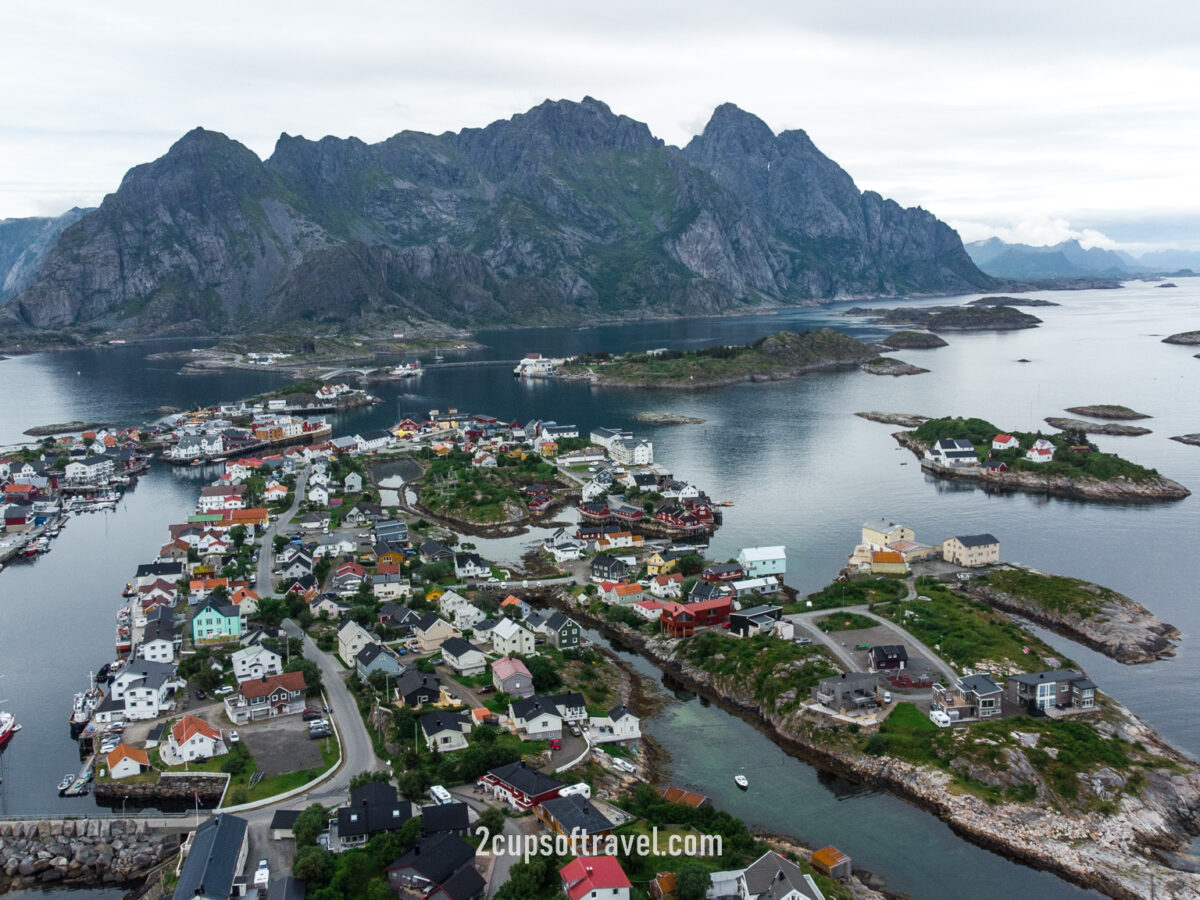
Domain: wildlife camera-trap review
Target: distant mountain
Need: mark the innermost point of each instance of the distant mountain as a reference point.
(1064, 260)
(24, 246)
(564, 214)
(1171, 260)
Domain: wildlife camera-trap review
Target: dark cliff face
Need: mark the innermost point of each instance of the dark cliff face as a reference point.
(564, 213)
(24, 246)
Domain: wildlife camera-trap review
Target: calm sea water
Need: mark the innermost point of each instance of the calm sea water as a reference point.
(802, 471)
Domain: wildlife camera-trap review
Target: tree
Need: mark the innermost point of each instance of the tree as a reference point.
(270, 611)
(492, 819)
(692, 881)
(362, 778)
(279, 542)
(689, 564)
(312, 672)
(545, 676)
(414, 783)
(238, 535)
(312, 864)
(309, 824)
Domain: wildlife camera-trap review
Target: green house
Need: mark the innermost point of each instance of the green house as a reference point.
(216, 621)
(562, 632)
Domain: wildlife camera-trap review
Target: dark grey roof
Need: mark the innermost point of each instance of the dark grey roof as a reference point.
(367, 654)
(284, 818)
(620, 711)
(707, 590)
(1054, 675)
(377, 434)
(526, 779)
(889, 651)
(456, 647)
(434, 722)
(374, 807)
(577, 815)
(534, 706)
(571, 700)
(722, 569)
(980, 684)
(426, 621)
(160, 568)
(287, 888)
(445, 817)
(412, 681)
(558, 621)
(438, 857)
(468, 559)
(210, 867)
(774, 871)
(975, 540)
(464, 884)
(756, 611)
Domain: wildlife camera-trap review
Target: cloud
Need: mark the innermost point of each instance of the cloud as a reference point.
(1038, 232)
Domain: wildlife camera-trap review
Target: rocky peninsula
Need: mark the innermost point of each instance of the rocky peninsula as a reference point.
(1095, 616)
(1192, 439)
(1109, 428)
(1187, 338)
(65, 428)
(885, 365)
(912, 340)
(1114, 842)
(1107, 411)
(787, 354)
(904, 420)
(1011, 301)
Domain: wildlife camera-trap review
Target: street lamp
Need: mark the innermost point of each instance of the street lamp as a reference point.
(123, 800)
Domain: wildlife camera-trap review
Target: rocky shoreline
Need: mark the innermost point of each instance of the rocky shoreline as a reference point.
(1116, 490)
(79, 852)
(1115, 854)
(904, 420)
(1187, 338)
(783, 374)
(1109, 428)
(1106, 411)
(1192, 439)
(1121, 629)
(913, 340)
(665, 418)
(64, 428)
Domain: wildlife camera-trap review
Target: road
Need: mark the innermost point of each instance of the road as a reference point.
(498, 873)
(266, 553)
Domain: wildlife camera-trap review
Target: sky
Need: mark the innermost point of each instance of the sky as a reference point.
(1032, 121)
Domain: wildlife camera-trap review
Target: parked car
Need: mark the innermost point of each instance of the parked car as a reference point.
(555, 744)
(223, 690)
(575, 731)
(803, 641)
(234, 737)
(200, 695)
(487, 689)
(887, 697)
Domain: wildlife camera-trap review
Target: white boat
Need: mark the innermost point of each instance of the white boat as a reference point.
(740, 781)
(408, 370)
(8, 727)
(68, 780)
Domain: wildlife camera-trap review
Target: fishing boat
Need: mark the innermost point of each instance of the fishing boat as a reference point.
(129, 590)
(8, 727)
(43, 544)
(124, 639)
(85, 704)
(197, 462)
(740, 781)
(67, 781)
(437, 355)
(31, 550)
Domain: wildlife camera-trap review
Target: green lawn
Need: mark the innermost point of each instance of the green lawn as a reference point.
(845, 622)
(1054, 592)
(852, 592)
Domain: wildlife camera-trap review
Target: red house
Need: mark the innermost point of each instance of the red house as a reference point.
(682, 620)
(628, 514)
(723, 572)
(595, 511)
(523, 786)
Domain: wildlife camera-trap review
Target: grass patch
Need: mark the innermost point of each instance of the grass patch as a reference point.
(770, 666)
(852, 592)
(845, 622)
(1053, 592)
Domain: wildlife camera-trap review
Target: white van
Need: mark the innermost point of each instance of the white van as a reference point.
(440, 795)
(939, 718)
(581, 789)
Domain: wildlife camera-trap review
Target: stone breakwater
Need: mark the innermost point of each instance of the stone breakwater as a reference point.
(1117, 854)
(171, 791)
(79, 852)
(1113, 490)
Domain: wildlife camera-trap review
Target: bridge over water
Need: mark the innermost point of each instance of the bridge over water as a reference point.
(458, 364)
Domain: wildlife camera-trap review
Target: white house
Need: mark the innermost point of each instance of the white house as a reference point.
(1042, 451)
(459, 610)
(193, 739)
(352, 483)
(352, 637)
(666, 587)
(445, 732)
(535, 718)
(146, 688)
(256, 662)
(125, 761)
(953, 452)
(463, 657)
(619, 724)
(471, 565)
(318, 495)
(628, 452)
(1005, 442)
(509, 638)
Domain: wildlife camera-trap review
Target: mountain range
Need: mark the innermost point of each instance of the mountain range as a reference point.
(563, 214)
(1069, 260)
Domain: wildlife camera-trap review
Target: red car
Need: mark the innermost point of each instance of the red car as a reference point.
(555, 744)
(725, 625)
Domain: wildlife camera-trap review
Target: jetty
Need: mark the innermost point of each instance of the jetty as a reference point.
(83, 781)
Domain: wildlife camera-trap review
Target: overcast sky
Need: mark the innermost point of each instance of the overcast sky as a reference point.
(1035, 121)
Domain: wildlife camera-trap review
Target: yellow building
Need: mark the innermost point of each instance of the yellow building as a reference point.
(971, 550)
(888, 562)
(881, 532)
(658, 565)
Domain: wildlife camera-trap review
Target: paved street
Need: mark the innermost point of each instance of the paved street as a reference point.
(266, 555)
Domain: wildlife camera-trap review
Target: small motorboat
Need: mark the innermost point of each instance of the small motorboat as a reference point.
(741, 781)
(68, 780)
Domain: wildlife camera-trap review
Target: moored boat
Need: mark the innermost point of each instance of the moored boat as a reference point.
(741, 781)
(8, 727)
(67, 781)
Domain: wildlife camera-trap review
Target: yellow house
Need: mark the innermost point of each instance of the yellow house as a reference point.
(517, 453)
(880, 532)
(657, 565)
(549, 449)
(971, 550)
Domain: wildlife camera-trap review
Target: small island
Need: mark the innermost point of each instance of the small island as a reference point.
(1096, 616)
(1107, 411)
(1108, 428)
(1192, 439)
(904, 420)
(912, 340)
(1063, 464)
(951, 318)
(665, 418)
(1167, 284)
(1011, 301)
(1187, 338)
(787, 354)
(885, 365)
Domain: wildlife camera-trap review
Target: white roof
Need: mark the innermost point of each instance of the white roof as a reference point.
(751, 583)
(758, 554)
(507, 628)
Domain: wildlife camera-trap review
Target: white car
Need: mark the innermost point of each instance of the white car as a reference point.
(234, 737)
(222, 691)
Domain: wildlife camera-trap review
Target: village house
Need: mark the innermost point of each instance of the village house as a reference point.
(618, 724)
(1005, 442)
(682, 620)
(608, 568)
(770, 877)
(520, 785)
(594, 877)
(374, 808)
(256, 662)
(887, 657)
(1042, 451)
(471, 565)
(888, 562)
(849, 693)
(214, 621)
(754, 620)
(970, 697)
(573, 815)
(351, 638)
(192, 739)
(416, 689)
(1061, 689)
(460, 611)
(666, 587)
(446, 732)
(953, 452)
(535, 718)
(217, 857)
(512, 677)
(562, 632)
(463, 657)
(440, 867)
(126, 761)
(431, 631)
(971, 550)
(267, 697)
(877, 534)
(760, 562)
(376, 658)
(509, 638)
(619, 593)
(650, 610)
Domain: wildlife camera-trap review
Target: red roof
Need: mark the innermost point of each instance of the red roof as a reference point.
(261, 687)
(183, 730)
(1003, 438)
(124, 751)
(585, 874)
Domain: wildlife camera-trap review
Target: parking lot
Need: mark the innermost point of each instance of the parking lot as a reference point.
(280, 745)
(878, 636)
